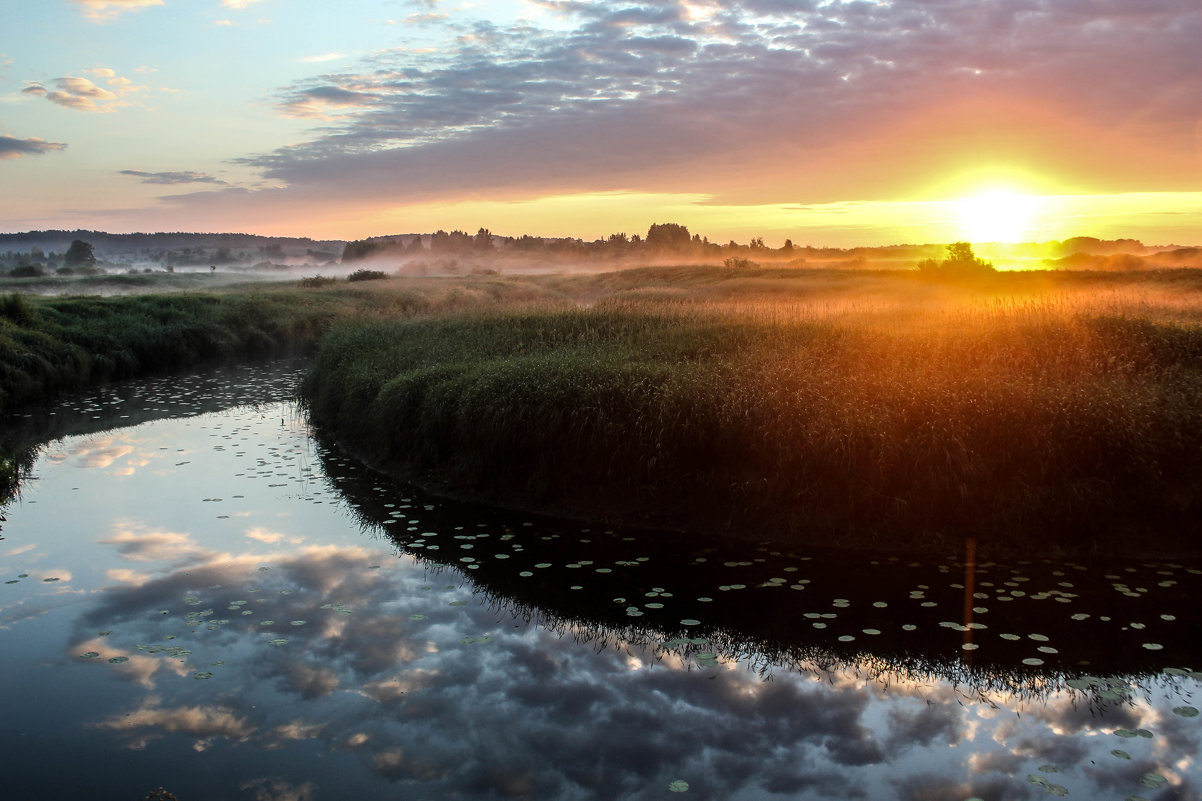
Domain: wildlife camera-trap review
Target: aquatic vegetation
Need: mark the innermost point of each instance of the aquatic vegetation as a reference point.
(1028, 424)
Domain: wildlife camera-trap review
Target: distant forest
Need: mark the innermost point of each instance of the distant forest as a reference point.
(46, 252)
(673, 243)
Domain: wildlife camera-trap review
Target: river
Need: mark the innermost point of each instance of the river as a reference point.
(198, 594)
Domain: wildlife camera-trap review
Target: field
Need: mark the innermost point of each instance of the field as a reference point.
(1032, 411)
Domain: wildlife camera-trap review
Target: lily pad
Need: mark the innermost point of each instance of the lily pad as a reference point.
(1153, 780)
(678, 786)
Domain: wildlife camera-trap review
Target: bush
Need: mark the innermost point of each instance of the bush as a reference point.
(366, 275)
(738, 263)
(316, 281)
(15, 308)
(26, 271)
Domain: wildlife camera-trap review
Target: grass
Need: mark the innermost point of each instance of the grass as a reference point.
(1031, 410)
(50, 345)
(1035, 412)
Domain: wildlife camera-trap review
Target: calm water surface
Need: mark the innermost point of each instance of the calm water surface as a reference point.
(196, 594)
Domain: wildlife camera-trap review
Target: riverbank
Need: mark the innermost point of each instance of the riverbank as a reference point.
(1068, 420)
(50, 346)
(1033, 411)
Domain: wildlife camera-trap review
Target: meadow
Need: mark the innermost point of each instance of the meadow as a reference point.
(1034, 412)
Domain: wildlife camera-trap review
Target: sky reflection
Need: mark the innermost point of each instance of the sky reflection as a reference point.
(238, 635)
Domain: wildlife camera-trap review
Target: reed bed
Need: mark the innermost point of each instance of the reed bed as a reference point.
(1067, 421)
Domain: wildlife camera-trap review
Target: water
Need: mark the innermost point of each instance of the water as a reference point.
(198, 595)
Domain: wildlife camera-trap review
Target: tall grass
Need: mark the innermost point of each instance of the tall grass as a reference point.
(52, 345)
(1075, 421)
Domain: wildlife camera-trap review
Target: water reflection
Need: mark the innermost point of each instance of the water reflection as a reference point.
(229, 623)
(1021, 624)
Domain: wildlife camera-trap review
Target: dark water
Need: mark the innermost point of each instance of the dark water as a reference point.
(195, 594)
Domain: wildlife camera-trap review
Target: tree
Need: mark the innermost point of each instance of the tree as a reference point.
(668, 236)
(358, 250)
(960, 258)
(960, 261)
(80, 255)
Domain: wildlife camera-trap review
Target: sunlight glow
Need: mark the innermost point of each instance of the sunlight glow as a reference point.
(999, 215)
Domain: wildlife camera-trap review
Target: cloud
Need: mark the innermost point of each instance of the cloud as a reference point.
(238, 4)
(139, 545)
(82, 94)
(13, 148)
(322, 58)
(108, 9)
(757, 99)
(184, 177)
(222, 22)
(204, 723)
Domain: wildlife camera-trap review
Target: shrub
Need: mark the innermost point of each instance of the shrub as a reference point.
(366, 275)
(14, 307)
(316, 281)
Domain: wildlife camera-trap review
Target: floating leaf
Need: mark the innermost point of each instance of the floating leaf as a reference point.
(204, 674)
(1153, 780)
(1121, 754)
(678, 786)
(117, 660)
(688, 621)
(89, 655)
(417, 617)
(1185, 711)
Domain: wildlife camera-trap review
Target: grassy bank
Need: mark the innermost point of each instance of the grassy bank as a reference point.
(1031, 410)
(49, 345)
(1038, 414)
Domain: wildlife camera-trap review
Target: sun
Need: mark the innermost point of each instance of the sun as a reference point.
(998, 215)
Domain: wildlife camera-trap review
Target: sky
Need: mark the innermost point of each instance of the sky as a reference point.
(826, 122)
